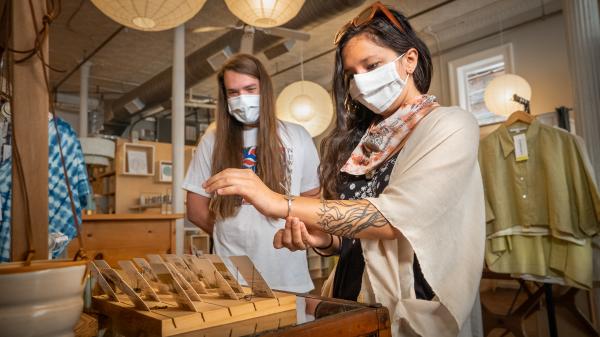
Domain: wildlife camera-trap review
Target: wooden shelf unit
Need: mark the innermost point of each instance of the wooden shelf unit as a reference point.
(142, 207)
(130, 187)
(125, 236)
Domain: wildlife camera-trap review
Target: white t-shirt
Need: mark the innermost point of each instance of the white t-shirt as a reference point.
(249, 232)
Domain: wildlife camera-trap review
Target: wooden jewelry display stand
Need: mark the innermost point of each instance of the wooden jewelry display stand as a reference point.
(169, 294)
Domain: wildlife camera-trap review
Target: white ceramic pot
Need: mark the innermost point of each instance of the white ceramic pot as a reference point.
(44, 300)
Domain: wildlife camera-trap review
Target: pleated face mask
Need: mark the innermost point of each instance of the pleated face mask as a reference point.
(378, 88)
(245, 108)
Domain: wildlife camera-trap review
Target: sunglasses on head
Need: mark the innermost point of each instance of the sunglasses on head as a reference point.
(365, 17)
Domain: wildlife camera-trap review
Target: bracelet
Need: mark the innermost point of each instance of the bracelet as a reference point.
(289, 199)
(321, 254)
(316, 249)
(329, 245)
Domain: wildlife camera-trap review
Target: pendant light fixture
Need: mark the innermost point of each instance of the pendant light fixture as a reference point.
(150, 15)
(265, 13)
(499, 93)
(305, 103)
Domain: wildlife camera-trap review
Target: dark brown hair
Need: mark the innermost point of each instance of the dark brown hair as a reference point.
(352, 118)
(228, 147)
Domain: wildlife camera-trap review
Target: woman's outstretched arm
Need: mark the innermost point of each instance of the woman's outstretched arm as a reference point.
(347, 218)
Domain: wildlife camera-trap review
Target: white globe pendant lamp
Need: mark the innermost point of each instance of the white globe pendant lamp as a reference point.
(498, 95)
(265, 13)
(150, 15)
(302, 108)
(306, 103)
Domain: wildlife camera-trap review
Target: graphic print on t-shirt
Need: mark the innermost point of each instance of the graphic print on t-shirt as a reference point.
(249, 162)
(249, 158)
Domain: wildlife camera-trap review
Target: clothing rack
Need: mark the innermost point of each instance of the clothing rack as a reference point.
(513, 320)
(550, 310)
(563, 117)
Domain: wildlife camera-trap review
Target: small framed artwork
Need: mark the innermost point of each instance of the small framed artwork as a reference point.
(165, 171)
(137, 162)
(139, 159)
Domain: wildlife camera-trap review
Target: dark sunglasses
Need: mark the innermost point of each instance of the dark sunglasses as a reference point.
(365, 17)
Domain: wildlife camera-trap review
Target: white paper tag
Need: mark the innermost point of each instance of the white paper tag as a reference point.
(6, 152)
(520, 142)
(517, 129)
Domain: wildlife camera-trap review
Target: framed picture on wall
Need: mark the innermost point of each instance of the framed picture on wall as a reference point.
(165, 171)
(137, 162)
(470, 75)
(139, 159)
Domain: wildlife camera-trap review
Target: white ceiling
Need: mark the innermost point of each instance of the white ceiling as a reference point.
(134, 57)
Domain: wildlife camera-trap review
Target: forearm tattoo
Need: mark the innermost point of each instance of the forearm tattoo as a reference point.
(347, 218)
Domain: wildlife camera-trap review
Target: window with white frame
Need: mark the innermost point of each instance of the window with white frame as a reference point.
(470, 75)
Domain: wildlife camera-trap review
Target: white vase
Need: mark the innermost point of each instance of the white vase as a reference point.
(44, 299)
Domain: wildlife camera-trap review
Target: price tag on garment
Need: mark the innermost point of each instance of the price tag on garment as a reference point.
(6, 152)
(520, 142)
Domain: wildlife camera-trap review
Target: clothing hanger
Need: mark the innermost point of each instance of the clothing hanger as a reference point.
(519, 116)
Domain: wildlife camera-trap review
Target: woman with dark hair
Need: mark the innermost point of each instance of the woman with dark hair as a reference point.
(248, 135)
(402, 192)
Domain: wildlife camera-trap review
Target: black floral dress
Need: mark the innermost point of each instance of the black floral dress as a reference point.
(351, 265)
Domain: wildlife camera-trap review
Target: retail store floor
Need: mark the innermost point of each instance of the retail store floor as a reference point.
(499, 301)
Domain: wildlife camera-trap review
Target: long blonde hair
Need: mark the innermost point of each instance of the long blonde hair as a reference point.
(228, 149)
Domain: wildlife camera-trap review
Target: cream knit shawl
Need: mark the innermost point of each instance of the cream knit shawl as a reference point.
(435, 200)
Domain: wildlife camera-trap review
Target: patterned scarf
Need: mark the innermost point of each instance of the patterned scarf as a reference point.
(382, 139)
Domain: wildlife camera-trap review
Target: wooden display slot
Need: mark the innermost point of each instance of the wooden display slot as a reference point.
(166, 319)
(138, 159)
(171, 294)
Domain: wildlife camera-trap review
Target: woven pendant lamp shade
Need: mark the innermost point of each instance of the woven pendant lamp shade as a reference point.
(265, 13)
(150, 15)
(306, 103)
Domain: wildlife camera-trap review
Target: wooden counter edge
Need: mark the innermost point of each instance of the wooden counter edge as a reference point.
(132, 216)
(360, 322)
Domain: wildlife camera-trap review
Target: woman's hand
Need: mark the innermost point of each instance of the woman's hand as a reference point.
(247, 184)
(295, 236)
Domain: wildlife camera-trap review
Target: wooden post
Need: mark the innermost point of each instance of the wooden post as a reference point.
(30, 107)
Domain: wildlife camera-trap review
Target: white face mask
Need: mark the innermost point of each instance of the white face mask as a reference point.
(378, 88)
(244, 108)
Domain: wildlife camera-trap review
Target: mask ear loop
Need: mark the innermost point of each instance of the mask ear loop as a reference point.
(407, 73)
